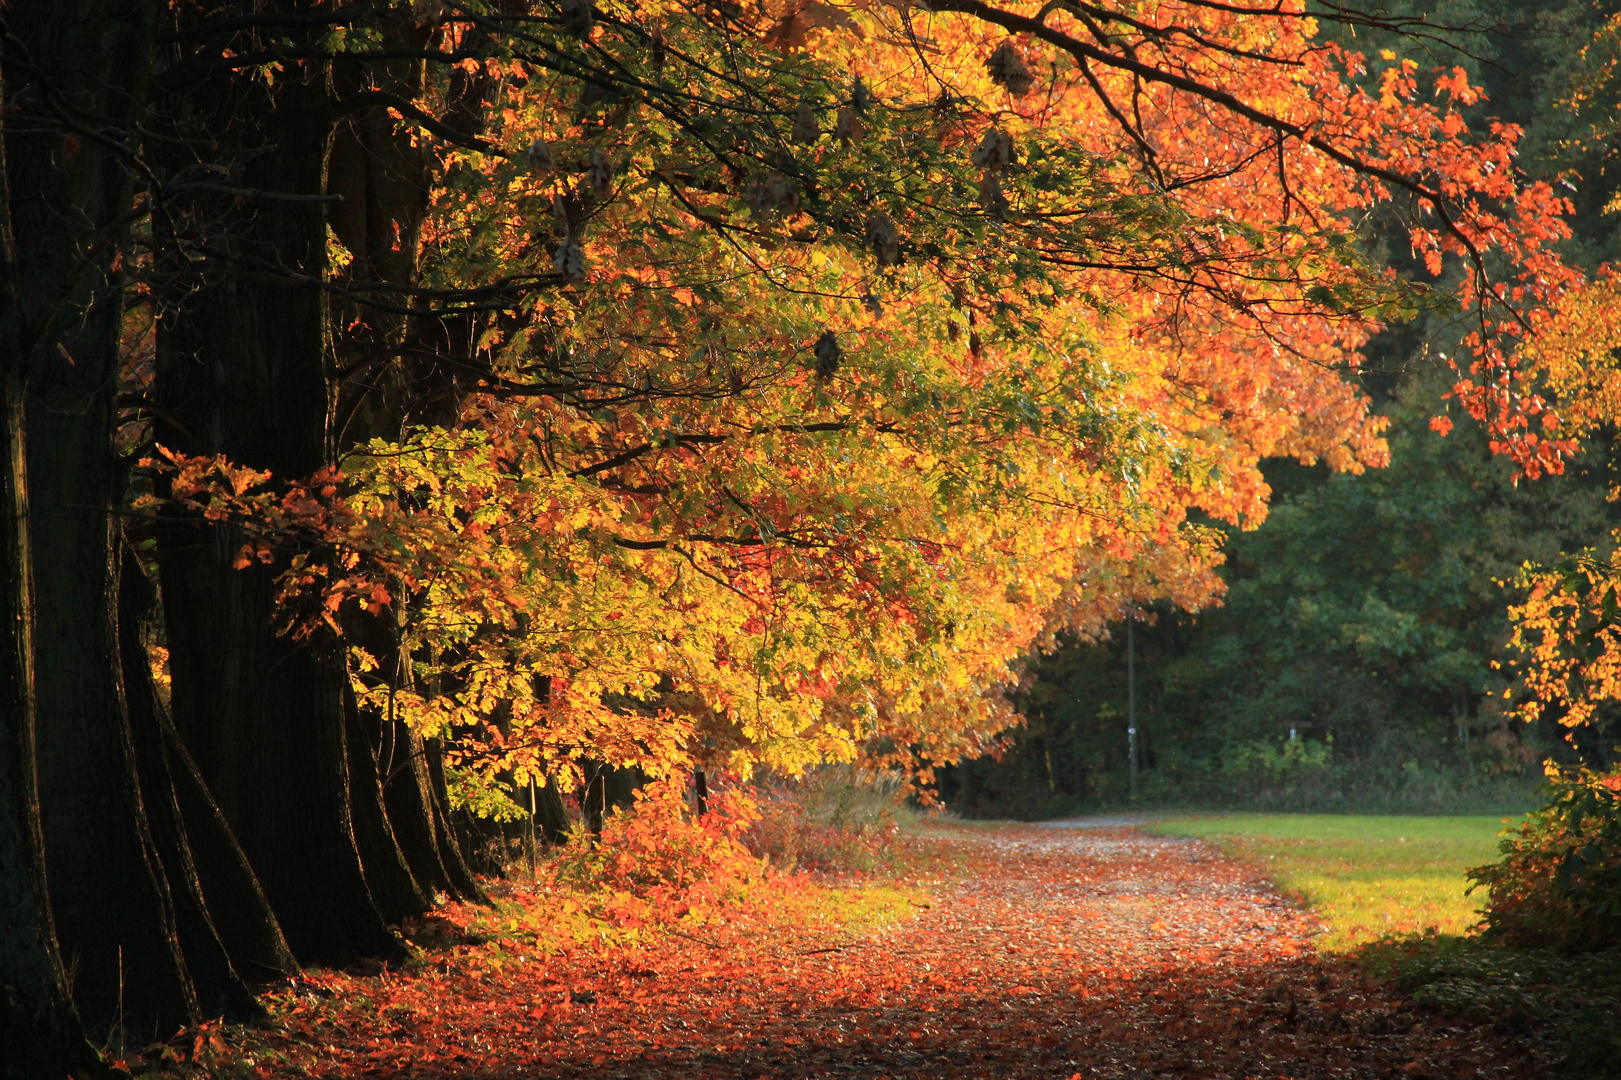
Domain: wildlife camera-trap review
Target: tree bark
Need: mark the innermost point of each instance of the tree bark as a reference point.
(380, 169)
(221, 989)
(393, 885)
(40, 1035)
(129, 971)
(241, 912)
(409, 796)
(550, 813)
(451, 854)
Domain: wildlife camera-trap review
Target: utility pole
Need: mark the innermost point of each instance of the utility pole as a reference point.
(1131, 697)
(534, 808)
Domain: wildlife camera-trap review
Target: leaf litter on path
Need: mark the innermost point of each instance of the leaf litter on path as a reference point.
(1099, 952)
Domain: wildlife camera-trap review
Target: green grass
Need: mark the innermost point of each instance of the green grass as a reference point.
(1364, 876)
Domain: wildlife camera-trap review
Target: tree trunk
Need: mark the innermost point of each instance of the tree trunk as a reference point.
(241, 912)
(40, 1036)
(266, 718)
(380, 169)
(409, 796)
(451, 854)
(393, 885)
(241, 372)
(550, 813)
(221, 990)
(608, 788)
(126, 955)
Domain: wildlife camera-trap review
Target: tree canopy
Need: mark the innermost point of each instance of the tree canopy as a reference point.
(511, 392)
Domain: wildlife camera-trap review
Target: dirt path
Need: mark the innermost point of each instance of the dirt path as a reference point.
(1068, 952)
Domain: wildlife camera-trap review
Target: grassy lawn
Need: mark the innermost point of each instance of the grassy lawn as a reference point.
(1364, 876)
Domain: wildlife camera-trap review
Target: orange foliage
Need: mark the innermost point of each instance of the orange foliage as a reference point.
(845, 352)
(657, 864)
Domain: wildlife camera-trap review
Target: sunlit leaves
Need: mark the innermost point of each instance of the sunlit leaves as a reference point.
(819, 361)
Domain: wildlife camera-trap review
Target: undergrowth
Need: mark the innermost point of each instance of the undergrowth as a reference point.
(1547, 965)
(657, 867)
(1569, 1006)
(658, 863)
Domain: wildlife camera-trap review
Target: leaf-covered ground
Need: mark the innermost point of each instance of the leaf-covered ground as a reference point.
(1056, 951)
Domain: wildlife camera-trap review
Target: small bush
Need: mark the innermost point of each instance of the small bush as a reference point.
(656, 862)
(1559, 883)
(833, 820)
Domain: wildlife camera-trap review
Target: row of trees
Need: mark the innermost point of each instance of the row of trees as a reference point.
(404, 401)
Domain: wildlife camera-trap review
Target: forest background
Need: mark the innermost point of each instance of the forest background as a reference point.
(429, 423)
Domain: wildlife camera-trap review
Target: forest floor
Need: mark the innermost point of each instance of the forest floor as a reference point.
(1085, 949)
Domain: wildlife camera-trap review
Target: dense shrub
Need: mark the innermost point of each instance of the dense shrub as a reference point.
(657, 861)
(1559, 883)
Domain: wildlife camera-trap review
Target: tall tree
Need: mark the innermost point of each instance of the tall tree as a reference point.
(242, 371)
(111, 813)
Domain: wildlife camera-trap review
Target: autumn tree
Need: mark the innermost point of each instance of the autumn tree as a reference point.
(653, 376)
(1565, 628)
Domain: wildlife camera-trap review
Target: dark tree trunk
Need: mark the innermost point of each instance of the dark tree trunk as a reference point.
(241, 371)
(409, 796)
(607, 788)
(380, 169)
(221, 990)
(241, 912)
(551, 816)
(700, 790)
(126, 955)
(68, 194)
(40, 1036)
(594, 797)
(451, 855)
(393, 886)
(266, 718)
